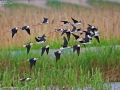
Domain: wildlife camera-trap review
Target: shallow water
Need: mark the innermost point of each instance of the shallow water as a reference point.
(114, 86)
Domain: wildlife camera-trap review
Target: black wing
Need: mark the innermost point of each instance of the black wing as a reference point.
(47, 50)
(75, 21)
(86, 39)
(43, 50)
(32, 62)
(57, 55)
(74, 48)
(73, 29)
(13, 32)
(68, 35)
(37, 39)
(28, 30)
(64, 31)
(65, 22)
(45, 20)
(28, 49)
(78, 51)
(97, 38)
(24, 27)
(65, 42)
(76, 36)
(42, 38)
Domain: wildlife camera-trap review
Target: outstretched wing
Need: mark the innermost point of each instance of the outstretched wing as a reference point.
(28, 31)
(76, 36)
(45, 20)
(75, 21)
(43, 50)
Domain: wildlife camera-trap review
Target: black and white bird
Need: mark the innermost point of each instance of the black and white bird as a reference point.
(28, 46)
(27, 28)
(40, 40)
(68, 33)
(56, 30)
(65, 44)
(45, 48)
(32, 62)
(25, 79)
(45, 21)
(13, 30)
(57, 55)
(66, 23)
(76, 22)
(76, 48)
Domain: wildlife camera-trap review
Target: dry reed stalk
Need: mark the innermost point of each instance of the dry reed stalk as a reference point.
(106, 20)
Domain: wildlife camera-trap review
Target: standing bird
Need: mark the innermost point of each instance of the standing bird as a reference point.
(28, 46)
(14, 31)
(45, 21)
(57, 55)
(76, 22)
(27, 28)
(76, 48)
(45, 48)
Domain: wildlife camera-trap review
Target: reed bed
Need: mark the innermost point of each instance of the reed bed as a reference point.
(107, 22)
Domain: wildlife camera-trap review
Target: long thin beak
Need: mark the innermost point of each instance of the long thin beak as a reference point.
(36, 24)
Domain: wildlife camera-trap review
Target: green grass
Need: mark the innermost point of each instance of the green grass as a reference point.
(103, 3)
(77, 71)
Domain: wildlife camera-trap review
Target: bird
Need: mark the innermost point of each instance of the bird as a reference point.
(56, 30)
(76, 48)
(65, 44)
(45, 48)
(27, 28)
(40, 40)
(66, 23)
(68, 33)
(32, 62)
(45, 21)
(28, 46)
(76, 22)
(25, 79)
(57, 55)
(13, 30)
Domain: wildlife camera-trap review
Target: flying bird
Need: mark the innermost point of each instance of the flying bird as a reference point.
(25, 79)
(45, 48)
(45, 21)
(14, 31)
(76, 48)
(32, 62)
(28, 46)
(66, 23)
(57, 55)
(27, 28)
(40, 40)
(76, 22)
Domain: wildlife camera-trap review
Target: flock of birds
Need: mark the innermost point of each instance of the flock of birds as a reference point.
(90, 33)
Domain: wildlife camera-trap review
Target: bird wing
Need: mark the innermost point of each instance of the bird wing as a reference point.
(86, 39)
(76, 36)
(97, 38)
(43, 50)
(45, 20)
(42, 38)
(37, 39)
(13, 32)
(28, 30)
(65, 42)
(28, 48)
(73, 29)
(74, 48)
(65, 22)
(68, 35)
(24, 27)
(57, 55)
(75, 21)
(78, 51)
(47, 50)
(64, 31)
(32, 62)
